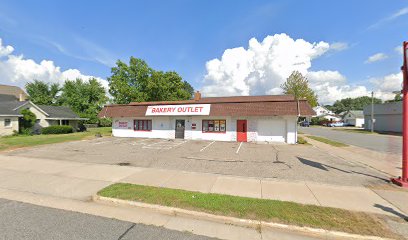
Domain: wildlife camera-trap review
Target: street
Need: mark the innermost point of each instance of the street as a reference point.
(375, 142)
(26, 221)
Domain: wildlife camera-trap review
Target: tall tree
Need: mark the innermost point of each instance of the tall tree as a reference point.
(353, 104)
(137, 82)
(86, 98)
(298, 85)
(42, 93)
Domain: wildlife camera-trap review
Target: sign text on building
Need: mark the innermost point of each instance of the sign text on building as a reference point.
(174, 110)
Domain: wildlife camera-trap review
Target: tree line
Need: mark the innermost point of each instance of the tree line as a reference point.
(133, 82)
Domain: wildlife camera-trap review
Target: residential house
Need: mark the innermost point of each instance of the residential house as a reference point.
(354, 118)
(325, 113)
(387, 117)
(13, 100)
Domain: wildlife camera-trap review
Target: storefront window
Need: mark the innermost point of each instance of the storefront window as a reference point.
(216, 126)
(143, 125)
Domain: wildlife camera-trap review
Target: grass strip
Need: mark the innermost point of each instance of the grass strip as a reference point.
(328, 141)
(252, 208)
(355, 131)
(12, 142)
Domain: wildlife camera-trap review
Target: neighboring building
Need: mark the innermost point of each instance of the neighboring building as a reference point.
(322, 111)
(354, 118)
(11, 106)
(12, 93)
(387, 117)
(241, 118)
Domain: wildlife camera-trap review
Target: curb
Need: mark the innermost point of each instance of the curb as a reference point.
(231, 220)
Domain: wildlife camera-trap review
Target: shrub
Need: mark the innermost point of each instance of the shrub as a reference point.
(57, 130)
(27, 121)
(317, 120)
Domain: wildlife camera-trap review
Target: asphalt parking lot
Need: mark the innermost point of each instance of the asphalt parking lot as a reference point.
(278, 161)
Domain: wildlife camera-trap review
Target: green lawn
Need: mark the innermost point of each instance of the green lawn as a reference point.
(12, 142)
(328, 141)
(251, 208)
(354, 130)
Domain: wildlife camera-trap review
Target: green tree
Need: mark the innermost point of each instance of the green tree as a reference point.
(27, 121)
(397, 98)
(137, 82)
(42, 93)
(86, 98)
(353, 104)
(298, 85)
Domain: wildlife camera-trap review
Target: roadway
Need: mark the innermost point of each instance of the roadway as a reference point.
(26, 221)
(376, 142)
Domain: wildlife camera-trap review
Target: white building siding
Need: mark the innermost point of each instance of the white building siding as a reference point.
(8, 130)
(259, 129)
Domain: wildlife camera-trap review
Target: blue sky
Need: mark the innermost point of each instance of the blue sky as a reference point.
(184, 35)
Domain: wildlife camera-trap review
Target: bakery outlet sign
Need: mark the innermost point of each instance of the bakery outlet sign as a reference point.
(177, 110)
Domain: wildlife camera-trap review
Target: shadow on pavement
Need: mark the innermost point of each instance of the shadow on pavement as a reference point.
(326, 167)
(392, 211)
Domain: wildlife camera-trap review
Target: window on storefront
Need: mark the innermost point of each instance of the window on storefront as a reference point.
(215, 126)
(142, 125)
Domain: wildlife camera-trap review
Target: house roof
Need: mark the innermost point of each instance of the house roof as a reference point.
(12, 108)
(355, 113)
(13, 91)
(60, 112)
(273, 105)
(9, 108)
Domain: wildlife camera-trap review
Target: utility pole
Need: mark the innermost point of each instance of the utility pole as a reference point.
(372, 112)
(403, 180)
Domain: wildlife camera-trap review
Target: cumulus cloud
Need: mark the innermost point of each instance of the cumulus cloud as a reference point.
(388, 83)
(376, 57)
(18, 70)
(261, 68)
(264, 66)
(5, 50)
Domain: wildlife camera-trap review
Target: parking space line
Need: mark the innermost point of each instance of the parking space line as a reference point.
(239, 147)
(202, 149)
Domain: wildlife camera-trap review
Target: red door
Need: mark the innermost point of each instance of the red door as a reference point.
(242, 130)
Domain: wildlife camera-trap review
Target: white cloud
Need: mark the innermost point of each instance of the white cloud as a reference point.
(401, 12)
(339, 46)
(264, 66)
(18, 70)
(388, 83)
(5, 50)
(261, 68)
(376, 57)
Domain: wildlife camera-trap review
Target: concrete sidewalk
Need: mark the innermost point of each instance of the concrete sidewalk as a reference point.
(73, 180)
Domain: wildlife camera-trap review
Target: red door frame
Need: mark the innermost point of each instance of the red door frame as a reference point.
(242, 130)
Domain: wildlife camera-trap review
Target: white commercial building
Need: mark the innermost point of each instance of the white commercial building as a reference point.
(387, 117)
(245, 118)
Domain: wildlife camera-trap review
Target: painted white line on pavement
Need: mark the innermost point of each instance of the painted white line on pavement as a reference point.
(202, 149)
(239, 147)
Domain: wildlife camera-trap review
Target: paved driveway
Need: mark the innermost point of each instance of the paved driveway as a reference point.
(375, 142)
(279, 161)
